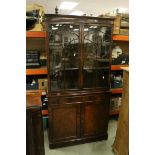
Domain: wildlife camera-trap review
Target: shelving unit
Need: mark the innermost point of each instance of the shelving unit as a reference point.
(36, 40)
(36, 71)
(34, 92)
(123, 41)
(120, 38)
(117, 90)
(114, 112)
(35, 34)
(118, 67)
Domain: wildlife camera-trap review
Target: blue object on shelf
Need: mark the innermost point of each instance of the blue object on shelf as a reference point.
(45, 122)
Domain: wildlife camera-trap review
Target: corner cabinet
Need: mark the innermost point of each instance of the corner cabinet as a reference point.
(79, 51)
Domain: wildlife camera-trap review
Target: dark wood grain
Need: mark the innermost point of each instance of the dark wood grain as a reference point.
(34, 131)
(78, 115)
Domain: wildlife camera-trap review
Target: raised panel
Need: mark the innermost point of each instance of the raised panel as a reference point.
(64, 122)
(95, 118)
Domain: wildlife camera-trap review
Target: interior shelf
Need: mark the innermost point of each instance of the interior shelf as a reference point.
(118, 67)
(35, 34)
(121, 37)
(114, 112)
(36, 71)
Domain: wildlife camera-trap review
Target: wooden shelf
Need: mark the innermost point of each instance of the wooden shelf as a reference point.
(36, 71)
(35, 34)
(117, 90)
(114, 112)
(120, 38)
(118, 67)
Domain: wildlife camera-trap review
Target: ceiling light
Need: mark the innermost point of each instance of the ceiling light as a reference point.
(68, 5)
(71, 26)
(86, 29)
(75, 29)
(93, 27)
(78, 13)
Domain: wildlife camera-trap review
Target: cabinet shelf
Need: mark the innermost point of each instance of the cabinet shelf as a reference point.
(114, 112)
(36, 71)
(118, 67)
(120, 38)
(35, 34)
(117, 90)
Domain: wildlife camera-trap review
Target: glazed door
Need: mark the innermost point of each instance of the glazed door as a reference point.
(96, 54)
(64, 122)
(64, 51)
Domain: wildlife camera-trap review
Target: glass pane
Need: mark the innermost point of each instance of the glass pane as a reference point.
(64, 55)
(96, 46)
(89, 78)
(71, 79)
(102, 79)
(97, 42)
(57, 80)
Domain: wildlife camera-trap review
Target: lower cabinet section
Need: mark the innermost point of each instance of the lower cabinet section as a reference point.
(78, 122)
(34, 131)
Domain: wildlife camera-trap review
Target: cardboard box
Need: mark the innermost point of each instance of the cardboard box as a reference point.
(116, 30)
(42, 83)
(124, 31)
(124, 24)
(117, 23)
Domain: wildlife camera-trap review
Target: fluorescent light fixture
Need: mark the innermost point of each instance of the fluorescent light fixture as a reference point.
(68, 5)
(93, 27)
(78, 13)
(86, 29)
(75, 29)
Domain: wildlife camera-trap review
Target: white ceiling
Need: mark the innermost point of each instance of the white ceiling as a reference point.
(95, 7)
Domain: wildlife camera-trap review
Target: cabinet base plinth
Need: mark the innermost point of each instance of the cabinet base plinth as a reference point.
(77, 141)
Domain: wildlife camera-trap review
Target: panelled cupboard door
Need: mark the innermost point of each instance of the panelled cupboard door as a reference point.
(64, 122)
(94, 118)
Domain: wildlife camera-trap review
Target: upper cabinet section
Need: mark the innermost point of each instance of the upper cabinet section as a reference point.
(79, 52)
